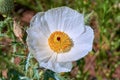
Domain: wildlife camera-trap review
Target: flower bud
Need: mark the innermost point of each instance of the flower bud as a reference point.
(6, 6)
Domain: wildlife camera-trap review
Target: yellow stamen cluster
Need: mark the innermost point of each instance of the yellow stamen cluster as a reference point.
(60, 42)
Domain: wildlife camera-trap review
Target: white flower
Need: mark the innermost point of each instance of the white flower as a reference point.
(58, 37)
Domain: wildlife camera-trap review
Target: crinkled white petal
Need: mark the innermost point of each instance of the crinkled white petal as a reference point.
(55, 66)
(37, 39)
(82, 45)
(65, 19)
(39, 22)
(39, 48)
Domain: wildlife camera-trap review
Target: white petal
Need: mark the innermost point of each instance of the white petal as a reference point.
(39, 48)
(55, 66)
(82, 46)
(65, 19)
(37, 38)
(40, 23)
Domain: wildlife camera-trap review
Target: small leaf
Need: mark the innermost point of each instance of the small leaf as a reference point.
(17, 30)
(87, 17)
(4, 73)
(27, 61)
(48, 75)
(58, 77)
(24, 78)
(36, 74)
(74, 71)
(17, 60)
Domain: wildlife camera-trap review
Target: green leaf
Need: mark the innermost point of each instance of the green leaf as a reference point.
(49, 74)
(27, 62)
(58, 77)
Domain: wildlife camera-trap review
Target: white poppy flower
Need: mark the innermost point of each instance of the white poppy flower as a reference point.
(58, 37)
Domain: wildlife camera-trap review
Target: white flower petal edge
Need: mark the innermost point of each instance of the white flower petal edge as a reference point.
(82, 45)
(37, 39)
(40, 23)
(55, 66)
(65, 19)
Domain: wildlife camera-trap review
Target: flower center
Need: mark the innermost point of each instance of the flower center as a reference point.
(60, 42)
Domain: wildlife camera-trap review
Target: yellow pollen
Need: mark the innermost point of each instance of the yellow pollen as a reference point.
(60, 42)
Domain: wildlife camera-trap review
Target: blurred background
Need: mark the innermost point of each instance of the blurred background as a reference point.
(102, 63)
